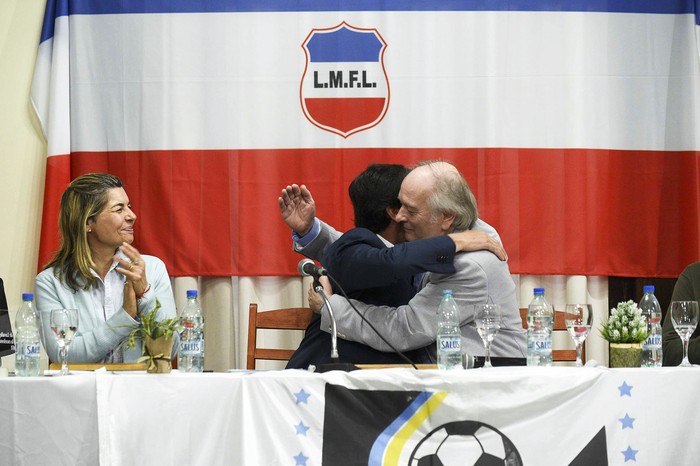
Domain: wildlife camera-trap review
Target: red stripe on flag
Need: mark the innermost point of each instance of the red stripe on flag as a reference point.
(345, 114)
(58, 177)
(559, 211)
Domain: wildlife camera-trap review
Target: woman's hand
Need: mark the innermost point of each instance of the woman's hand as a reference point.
(134, 269)
(129, 303)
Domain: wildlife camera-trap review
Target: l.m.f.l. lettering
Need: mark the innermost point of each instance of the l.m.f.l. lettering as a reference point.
(353, 79)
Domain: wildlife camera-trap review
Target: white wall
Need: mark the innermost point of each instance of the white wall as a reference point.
(22, 150)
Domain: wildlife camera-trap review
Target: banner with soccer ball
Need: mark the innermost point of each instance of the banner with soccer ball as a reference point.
(403, 417)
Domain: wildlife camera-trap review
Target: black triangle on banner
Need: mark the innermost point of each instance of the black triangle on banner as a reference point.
(596, 452)
(353, 419)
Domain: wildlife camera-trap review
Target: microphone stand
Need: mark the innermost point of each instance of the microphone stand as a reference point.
(335, 364)
(334, 330)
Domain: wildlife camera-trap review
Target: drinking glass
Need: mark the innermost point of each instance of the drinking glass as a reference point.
(578, 319)
(488, 322)
(64, 324)
(684, 315)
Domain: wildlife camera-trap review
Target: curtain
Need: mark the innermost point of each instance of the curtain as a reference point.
(225, 303)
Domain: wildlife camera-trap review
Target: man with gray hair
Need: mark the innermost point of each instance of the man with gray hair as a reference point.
(436, 200)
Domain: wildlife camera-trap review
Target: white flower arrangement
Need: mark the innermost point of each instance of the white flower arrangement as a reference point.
(625, 325)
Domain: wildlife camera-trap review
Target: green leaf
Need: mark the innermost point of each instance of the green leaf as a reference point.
(151, 327)
(625, 325)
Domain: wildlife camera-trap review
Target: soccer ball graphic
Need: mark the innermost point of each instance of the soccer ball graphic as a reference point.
(465, 443)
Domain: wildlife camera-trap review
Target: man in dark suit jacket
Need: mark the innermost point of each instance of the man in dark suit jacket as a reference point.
(436, 201)
(687, 289)
(386, 279)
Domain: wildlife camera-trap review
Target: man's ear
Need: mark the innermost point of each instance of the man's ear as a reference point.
(447, 221)
(392, 212)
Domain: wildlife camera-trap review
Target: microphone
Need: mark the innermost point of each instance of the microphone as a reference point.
(307, 268)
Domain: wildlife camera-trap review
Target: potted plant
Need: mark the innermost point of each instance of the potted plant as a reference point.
(625, 330)
(157, 338)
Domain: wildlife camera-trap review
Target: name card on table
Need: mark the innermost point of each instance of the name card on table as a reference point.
(7, 341)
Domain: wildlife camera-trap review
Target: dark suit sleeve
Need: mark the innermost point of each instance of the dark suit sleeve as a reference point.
(687, 289)
(359, 259)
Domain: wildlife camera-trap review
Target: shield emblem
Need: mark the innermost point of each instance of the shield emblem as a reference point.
(344, 88)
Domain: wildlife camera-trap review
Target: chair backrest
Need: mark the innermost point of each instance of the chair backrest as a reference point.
(293, 318)
(558, 355)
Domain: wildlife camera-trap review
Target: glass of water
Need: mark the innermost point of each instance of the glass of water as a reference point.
(684, 315)
(64, 324)
(488, 323)
(578, 319)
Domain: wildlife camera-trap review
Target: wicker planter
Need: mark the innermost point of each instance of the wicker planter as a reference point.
(625, 354)
(159, 351)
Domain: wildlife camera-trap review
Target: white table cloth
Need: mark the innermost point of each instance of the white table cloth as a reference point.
(539, 416)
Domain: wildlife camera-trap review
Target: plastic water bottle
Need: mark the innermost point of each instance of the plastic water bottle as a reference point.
(651, 349)
(190, 357)
(540, 322)
(449, 335)
(27, 345)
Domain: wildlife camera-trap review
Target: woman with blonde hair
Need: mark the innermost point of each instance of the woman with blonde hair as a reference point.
(98, 272)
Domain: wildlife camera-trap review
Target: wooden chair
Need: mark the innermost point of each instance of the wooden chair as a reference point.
(295, 318)
(558, 355)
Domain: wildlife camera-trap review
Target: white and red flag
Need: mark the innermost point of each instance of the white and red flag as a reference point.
(575, 123)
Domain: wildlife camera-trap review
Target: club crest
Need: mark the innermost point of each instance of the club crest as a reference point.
(344, 88)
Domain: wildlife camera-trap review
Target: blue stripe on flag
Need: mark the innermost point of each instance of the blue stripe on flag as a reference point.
(54, 9)
(344, 45)
(213, 6)
(379, 447)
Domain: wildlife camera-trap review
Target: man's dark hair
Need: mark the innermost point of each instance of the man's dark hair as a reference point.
(372, 191)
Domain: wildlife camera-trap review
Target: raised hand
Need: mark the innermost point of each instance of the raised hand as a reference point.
(134, 269)
(298, 208)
